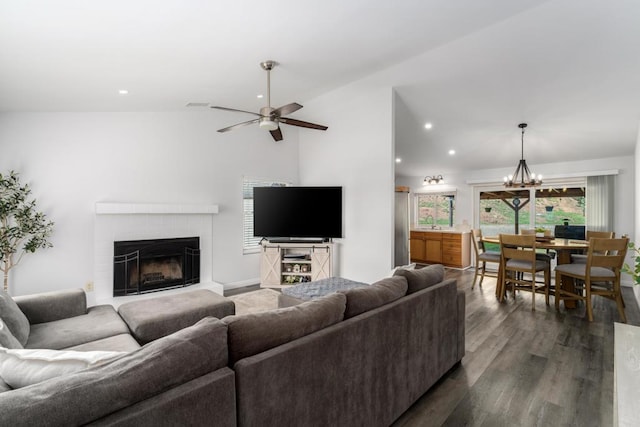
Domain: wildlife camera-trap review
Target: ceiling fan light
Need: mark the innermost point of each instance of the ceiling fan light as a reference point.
(268, 124)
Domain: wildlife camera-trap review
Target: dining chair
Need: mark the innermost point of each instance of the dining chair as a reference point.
(600, 274)
(483, 257)
(547, 255)
(519, 267)
(582, 258)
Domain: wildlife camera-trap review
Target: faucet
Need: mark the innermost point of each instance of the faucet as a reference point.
(433, 222)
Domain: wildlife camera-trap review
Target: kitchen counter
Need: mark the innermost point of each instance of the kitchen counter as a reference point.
(449, 247)
(444, 230)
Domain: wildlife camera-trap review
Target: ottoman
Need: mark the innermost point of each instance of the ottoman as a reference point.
(154, 318)
(297, 294)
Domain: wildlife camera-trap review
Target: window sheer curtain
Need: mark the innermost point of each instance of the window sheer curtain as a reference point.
(599, 204)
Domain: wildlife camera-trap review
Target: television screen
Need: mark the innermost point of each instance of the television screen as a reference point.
(290, 212)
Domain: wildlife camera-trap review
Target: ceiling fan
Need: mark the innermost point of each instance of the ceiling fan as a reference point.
(270, 118)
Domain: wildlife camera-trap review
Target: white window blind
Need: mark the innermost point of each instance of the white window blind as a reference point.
(599, 209)
(251, 244)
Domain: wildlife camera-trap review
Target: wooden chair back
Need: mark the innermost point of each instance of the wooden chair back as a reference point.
(600, 234)
(478, 244)
(607, 253)
(519, 247)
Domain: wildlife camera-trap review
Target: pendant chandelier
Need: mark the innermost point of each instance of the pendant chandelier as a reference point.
(522, 177)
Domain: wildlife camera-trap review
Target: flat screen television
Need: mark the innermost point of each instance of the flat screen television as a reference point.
(297, 212)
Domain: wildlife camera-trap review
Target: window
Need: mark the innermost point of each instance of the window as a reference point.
(251, 244)
(509, 211)
(434, 209)
(555, 206)
(500, 211)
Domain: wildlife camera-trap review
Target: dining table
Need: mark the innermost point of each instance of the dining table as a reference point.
(563, 248)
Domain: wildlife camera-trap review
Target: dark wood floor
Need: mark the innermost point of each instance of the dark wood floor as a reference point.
(525, 368)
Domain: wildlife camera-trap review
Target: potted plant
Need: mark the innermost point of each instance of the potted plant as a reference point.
(635, 271)
(23, 229)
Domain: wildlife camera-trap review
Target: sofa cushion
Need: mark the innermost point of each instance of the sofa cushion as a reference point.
(96, 392)
(14, 318)
(423, 277)
(7, 340)
(380, 293)
(101, 321)
(411, 266)
(122, 342)
(254, 333)
(23, 367)
(153, 318)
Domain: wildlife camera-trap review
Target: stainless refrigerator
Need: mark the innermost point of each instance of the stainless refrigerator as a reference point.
(402, 227)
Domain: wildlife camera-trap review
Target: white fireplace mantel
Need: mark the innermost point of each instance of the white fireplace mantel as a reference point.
(116, 221)
(107, 208)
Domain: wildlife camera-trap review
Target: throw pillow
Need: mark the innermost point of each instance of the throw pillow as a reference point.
(411, 266)
(22, 367)
(423, 277)
(253, 333)
(7, 340)
(14, 318)
(380, 293)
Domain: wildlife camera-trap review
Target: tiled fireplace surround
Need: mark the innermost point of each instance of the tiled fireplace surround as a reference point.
(127, 221)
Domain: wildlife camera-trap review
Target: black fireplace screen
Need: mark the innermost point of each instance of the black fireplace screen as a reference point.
(141, 266)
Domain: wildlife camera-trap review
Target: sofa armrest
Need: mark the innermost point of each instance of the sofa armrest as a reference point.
(50, 306)
(462, 319)
(90, 394)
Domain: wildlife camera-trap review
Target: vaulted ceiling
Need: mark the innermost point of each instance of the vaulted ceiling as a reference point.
(474, 69)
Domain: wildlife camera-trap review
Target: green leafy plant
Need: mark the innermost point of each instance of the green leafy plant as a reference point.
(22, 228)
(635, 271)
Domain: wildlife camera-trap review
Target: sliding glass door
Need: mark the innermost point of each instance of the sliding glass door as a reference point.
(502, 210)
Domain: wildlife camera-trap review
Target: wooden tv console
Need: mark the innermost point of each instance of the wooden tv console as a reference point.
(285, 264)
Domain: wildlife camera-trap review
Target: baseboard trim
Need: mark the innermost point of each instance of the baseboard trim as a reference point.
(241, 284)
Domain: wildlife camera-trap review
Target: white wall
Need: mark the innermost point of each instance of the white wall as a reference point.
(636, 234)
(356, 152)
(74, 160)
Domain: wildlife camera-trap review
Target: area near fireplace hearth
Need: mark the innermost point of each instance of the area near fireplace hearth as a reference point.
(156, 228)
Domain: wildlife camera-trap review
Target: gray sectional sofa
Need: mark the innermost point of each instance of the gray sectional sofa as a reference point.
(62, 320)
(360, 357)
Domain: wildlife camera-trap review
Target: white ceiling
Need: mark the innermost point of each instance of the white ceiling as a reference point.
(475, 69)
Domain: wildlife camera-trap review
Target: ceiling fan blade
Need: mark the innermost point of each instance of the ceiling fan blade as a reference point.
(276, 134)
(300, 123)
(287, 109)
(239, 125)
(233, 109)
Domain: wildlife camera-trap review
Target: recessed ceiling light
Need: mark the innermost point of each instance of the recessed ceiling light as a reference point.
(260, 96)
(428, 125)
(452, 152)
(398, 160)
(123, 92)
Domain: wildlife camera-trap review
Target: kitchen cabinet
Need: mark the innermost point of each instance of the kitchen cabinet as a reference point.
(426, 247)
(452, 249)
(456, 250)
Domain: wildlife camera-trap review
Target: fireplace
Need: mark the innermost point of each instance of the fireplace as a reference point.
(141, 266)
